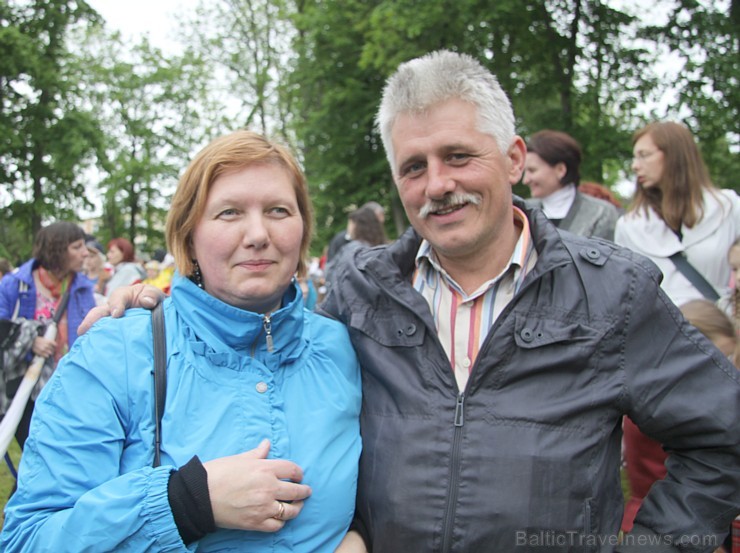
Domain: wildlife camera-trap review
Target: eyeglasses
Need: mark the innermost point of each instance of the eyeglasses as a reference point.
(642, 156)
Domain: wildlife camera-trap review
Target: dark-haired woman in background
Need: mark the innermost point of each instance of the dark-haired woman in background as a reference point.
(36, 288)
(552, 172)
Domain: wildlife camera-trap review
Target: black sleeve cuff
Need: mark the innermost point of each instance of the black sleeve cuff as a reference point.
(187, 492)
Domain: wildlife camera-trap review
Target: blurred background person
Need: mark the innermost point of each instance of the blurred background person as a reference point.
(5, 266)
(125, 269)
(601, 192)
(340, 239)
(677, 210)
(59, 253)
(364, 230)
(552, 173)
(96, 268)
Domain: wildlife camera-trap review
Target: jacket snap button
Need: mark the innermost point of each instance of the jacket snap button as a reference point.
(410, 329)
(527, 335)
(261, 387)
(593, 253)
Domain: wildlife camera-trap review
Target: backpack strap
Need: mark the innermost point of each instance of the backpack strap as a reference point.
(160, 376)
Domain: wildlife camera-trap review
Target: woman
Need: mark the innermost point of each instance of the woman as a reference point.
(36, 288)
(364, 229)
(125, 270)
(677, 210)
(250, 374)
(95, 268)
(552, 172)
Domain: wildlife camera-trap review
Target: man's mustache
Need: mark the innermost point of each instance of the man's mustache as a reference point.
(446, 202)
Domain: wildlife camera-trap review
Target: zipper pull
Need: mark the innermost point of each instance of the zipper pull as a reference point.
(459, 410)
(267, 324)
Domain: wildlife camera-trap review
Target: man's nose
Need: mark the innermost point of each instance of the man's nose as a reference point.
(440, 180)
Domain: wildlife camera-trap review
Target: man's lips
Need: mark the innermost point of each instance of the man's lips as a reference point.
(449, 209)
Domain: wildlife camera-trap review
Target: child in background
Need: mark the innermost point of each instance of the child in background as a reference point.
(733, 307)
(644, 457)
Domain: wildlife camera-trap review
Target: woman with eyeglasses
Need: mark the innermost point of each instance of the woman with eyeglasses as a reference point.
(677, 210)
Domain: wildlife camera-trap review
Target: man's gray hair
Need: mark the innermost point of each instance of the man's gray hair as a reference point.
(422, 82)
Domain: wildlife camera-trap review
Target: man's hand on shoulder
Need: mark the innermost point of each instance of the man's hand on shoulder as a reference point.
(138, 295)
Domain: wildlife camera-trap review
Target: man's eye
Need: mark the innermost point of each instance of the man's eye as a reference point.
(458, 157)
(412, 168)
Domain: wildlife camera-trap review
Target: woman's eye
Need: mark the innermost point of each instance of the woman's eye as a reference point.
(280, 211)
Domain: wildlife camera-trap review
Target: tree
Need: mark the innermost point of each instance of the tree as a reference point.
(48, 135)
(706, 36)
(154, 111)
(562, 62)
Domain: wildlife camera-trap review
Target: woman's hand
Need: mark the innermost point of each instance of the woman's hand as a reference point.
(250, 492)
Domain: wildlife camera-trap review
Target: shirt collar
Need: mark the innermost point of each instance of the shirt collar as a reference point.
(429, 268)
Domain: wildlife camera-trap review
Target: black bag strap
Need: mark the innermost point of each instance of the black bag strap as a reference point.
(160, 376)
(694, 276)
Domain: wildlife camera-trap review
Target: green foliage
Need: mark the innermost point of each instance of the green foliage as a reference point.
(148, 108)
(708, 40)
(88, 123)
(48, 136)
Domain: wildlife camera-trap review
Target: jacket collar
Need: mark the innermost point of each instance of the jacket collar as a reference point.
(398, 260)
(223, 328)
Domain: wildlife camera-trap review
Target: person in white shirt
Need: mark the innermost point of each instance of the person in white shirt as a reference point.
(677, 209)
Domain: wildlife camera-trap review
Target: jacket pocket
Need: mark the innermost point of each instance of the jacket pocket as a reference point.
(534, 332)
(401, 330)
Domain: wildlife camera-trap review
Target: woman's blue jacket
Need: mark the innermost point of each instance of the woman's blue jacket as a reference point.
(86, 480)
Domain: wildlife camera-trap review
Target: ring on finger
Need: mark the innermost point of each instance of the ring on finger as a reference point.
(281, 511)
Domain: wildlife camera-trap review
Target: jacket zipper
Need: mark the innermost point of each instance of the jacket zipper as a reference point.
(267, 325)
(454, 472)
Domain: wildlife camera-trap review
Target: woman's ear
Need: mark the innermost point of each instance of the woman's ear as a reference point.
(561, 170)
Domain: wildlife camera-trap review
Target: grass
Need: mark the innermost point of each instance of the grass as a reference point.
(7, 481)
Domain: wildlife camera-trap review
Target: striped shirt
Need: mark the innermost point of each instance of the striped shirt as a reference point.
(463, 321)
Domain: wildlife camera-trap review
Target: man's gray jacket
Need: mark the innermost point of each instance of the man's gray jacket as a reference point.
(527, 457)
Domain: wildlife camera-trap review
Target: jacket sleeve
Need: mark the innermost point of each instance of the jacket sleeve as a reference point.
(74, 491)
(681, 391)
(8, 295)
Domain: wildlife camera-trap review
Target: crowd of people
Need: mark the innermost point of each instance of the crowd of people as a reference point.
(478, 384)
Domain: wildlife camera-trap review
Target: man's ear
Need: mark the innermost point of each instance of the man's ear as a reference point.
(517, 156)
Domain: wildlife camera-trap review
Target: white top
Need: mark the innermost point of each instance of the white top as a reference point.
(705, 245)
(557, 204)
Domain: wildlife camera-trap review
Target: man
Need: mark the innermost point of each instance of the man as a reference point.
(499, 356)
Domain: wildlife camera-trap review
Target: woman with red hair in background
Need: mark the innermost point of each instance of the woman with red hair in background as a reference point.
(125, 270)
